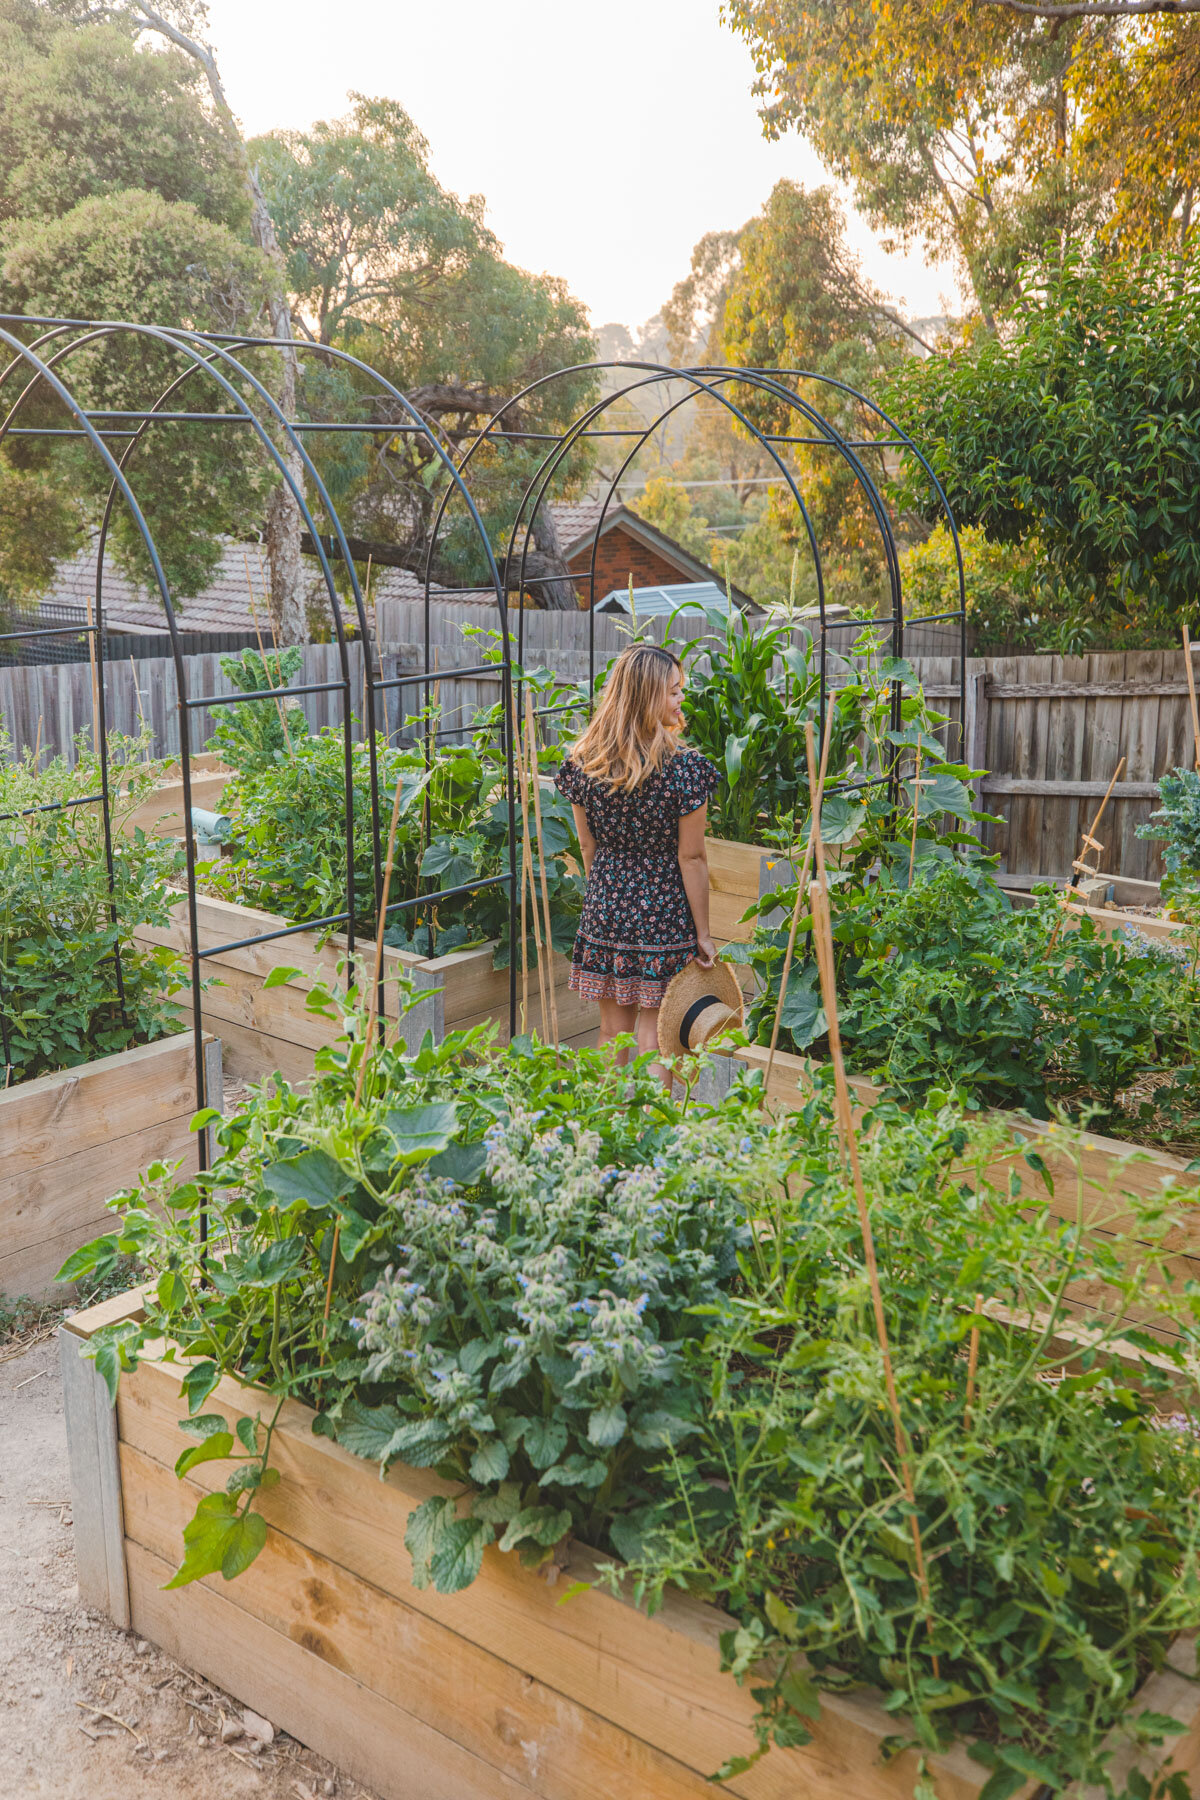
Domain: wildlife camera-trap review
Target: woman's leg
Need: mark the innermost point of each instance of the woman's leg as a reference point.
(647, 1042)
(615, 1021)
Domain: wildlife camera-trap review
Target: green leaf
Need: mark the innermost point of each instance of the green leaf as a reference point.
(280, 976)
(781, 1617)
(206, 1116)
(426, 1523)
(213, 1449)
(606, 1426)
(368, 1431)
(82, 1261)
(247, 1430)
(313, 1177)
(458, 1554)
(460, 1163)
(544, 1525)
(800, 1694)
(171, 1290)
(219, 1538)
(418, 1132)
(199, 1382)
(490, 1462)
(545, 1440)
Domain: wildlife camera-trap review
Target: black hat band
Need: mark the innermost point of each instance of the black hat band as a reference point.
(693, 1013)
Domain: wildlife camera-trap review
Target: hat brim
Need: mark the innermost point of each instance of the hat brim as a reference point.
(688, 995)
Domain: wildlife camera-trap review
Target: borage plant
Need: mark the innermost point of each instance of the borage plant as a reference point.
(604, 1316)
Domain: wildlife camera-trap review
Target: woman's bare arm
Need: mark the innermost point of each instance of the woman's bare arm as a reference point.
(587, 842)
(693, 866)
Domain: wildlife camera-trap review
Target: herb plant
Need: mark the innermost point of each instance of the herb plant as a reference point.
(603, 1315)
(73, 984)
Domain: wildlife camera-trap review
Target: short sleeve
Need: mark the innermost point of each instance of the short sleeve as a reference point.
(571, 782)
(694, 780)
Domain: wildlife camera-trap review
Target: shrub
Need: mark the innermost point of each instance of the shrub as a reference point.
(73, 985)
(1177, 825)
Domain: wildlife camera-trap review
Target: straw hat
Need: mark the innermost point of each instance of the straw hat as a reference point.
(697, 1006)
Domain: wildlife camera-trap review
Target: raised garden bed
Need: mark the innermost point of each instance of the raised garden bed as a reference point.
(161, 812)
(491, 1693)
(74, 1138)
(1108, 1167)
(264, 1029)
(738, 875)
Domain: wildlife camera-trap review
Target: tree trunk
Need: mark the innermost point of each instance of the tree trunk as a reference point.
(557, 593)
(283, 514)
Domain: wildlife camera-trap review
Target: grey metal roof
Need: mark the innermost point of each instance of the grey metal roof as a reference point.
(654, 602)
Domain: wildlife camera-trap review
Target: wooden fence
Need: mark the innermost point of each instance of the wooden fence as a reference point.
(1049, 730)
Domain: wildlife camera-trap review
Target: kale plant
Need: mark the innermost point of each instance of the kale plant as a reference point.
(1177, 825)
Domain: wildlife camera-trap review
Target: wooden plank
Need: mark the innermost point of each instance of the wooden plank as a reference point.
(1174, 1692)
(95, 1102)
(526, 1730)
(1029, 786)
(30, 1269)
(96, 1500)
(367, 1738)
(1055, 689)
(658, 1678)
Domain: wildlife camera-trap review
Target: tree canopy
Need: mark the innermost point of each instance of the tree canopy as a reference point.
(1081, 431)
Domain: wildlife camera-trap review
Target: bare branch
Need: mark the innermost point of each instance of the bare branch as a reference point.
(1093, 9)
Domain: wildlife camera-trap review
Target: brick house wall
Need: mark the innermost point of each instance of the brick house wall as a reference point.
(618, 557)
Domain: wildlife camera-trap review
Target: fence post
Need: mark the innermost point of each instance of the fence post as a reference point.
(975, 727)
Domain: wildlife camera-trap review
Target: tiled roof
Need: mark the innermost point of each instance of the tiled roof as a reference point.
(225, 605)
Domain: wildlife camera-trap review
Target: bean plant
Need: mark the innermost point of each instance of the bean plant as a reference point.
(1177, 825)
(605, 1315)
(73, 984)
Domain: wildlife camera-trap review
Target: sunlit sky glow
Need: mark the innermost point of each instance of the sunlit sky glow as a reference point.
(607, 139)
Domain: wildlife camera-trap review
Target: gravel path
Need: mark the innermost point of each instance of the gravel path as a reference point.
(88, 1712)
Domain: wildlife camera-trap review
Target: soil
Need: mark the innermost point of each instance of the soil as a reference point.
(88, 1712)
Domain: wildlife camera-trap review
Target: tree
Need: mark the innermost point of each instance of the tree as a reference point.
(385, 262)
(953, 123)
(137, 256)
(1080, 430)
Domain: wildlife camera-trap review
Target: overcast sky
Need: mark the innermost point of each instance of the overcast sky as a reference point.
(607, 139)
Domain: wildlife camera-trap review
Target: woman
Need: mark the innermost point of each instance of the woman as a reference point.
(640, 801)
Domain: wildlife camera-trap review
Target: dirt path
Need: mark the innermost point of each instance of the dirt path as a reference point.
(88, 1712)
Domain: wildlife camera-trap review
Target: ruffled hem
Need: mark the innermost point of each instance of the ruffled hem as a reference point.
(626, 990)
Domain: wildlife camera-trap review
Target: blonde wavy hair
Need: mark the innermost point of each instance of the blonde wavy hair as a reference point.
(627, 739)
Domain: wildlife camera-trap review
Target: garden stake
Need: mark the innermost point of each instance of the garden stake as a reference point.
(527, 864)
(535, 784)
(823, 940)
(1191, 681)
(800, 891)
(95, 681)
(912, 849)
(141, 714)
(1089, 841)
(972, 1365)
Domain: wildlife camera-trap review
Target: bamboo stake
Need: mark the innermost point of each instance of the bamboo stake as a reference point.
(141, 712)
(823, 938)
(801, 888)
(912, 848)
(372, 1016)
(524, 890)
(535, 783)
(95, 678)
(527, 866)
(1191, 681)
(972, 1365)
(37, 748)
(1089, 837)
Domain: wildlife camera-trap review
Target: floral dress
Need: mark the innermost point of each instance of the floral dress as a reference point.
(637, 928)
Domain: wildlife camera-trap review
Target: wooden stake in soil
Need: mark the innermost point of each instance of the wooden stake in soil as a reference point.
(912, 848)
(1191, 682)
(972, 1365)
(527, 870)
(95, 676)
(1089, 841)
(535, 784)
(801, 887)
(823, 941)
(137, 693)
